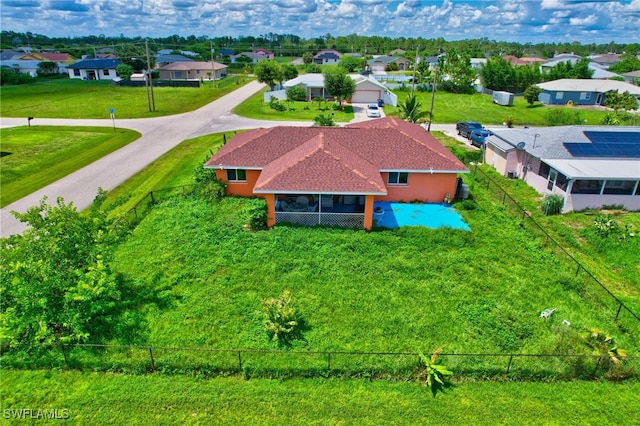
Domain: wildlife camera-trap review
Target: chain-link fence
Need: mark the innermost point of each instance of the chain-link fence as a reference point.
(289, 363)
(595, 291)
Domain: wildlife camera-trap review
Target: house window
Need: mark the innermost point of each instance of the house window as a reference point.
(398, 178)
(177, 74)
(559, 95)
(105, 72)
(552, 179)
(585, 96)
(619, 187)
(583, 186)
(76, 73)
(236, 175)
(544, 170)
(561, 182)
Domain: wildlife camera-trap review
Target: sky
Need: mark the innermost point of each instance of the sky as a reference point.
(524, 21)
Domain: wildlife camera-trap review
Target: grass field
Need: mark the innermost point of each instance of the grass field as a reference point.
(448, 108)
(94, 398)
(74, 98)
(255, 107)
(33, 157)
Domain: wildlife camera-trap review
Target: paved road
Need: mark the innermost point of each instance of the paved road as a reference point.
(159, 135)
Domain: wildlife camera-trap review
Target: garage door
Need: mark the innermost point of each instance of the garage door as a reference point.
(366, 96)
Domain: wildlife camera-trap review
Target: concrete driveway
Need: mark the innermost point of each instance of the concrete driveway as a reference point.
(159, 135)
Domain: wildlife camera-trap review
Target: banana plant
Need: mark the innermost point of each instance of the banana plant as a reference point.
(435, 373)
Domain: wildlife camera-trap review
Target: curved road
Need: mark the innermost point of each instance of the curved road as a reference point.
(159, 135)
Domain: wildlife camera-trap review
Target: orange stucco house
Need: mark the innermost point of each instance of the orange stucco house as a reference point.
(333, 175)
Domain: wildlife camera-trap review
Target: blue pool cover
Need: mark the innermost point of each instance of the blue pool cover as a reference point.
(394, 215)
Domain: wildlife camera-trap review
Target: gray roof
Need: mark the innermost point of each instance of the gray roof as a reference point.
(588, 85)
(548, 142)
(167, 59)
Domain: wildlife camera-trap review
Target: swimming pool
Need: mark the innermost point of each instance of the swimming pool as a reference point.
(395, 215)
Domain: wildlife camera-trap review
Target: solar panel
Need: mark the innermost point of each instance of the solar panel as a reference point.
(607, 144)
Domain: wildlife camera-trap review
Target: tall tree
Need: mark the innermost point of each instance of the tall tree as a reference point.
(268, 72)
(456, 73)
(56, 285)
(338, 84)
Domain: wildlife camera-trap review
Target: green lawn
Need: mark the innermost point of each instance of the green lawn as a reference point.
(74, 98)
(255, 107)
(448, 108)
(95, 398)
(33, 157)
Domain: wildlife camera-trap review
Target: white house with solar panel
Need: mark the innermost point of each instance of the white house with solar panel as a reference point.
(590, 166)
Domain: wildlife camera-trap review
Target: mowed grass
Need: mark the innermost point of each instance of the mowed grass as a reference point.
(95, 398)
(448, 108)
(256, 107)
(72, 98)
(406, 290)
(33, 157)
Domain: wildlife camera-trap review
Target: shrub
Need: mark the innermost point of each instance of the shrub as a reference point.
(8, 76)
(274, 104)
(467, 205)
(562, 117)
(552, 204)
(605, 225)
(254, 214)
(297, 93)
(213, 190)
(281, 318)
(202, 175)
(434, 374)
(323, 120)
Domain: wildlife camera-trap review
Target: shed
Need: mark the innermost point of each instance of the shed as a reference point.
(503, 98)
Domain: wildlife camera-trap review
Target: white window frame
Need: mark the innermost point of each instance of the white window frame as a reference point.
(397, 180)
(559, 95)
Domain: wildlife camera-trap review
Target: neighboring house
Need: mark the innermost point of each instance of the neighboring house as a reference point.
(478, 63)
(515, 61)
(590, 166)
(397, 52)
(162, 60)
(606, 60)
(533, 60)
(631, 77)
(94, 69)
(254, 56)
(60, 58)
(381, 63)
(333, 175)
(167, 52)
(368, 90)
(267, 53)
(327, 56)
(22, 66)
(599, 71)
(431, 60)
(582, 91)
(193, 70)
(8, 54)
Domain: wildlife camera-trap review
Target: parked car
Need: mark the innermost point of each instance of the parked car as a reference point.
(478, 137)
(373, 110)
(464, 128)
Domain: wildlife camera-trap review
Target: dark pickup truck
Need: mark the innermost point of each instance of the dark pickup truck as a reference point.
(464, 128)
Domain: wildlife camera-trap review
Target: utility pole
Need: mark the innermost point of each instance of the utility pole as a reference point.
(213, 71)
(151, 100)
(433, 95)
(415, 65)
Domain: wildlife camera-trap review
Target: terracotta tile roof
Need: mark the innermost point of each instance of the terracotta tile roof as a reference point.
(345, 159)
(56, 57)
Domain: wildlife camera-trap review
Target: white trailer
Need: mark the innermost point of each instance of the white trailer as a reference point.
(503, 98)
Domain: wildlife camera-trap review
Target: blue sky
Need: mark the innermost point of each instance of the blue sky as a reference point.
(584, 21)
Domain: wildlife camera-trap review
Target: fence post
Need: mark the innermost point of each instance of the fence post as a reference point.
(618, 313)
(64, 354)
(509, 365)
(151, 195)
(135, 211)
(504, 197)
(597, 365)
(578, 269)
(240, 360)
(153, 363)
(328, 364)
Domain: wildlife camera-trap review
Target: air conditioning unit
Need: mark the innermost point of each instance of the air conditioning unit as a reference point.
(512, 174)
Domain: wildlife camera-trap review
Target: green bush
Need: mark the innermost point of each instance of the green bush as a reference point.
(281, 318)
(552, 204)
(562, 117)
(323, 120)
(8, 76)
(254, 214)
(467, 205)
(297, 93)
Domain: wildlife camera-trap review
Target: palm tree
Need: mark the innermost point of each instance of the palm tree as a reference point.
(411, 110)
